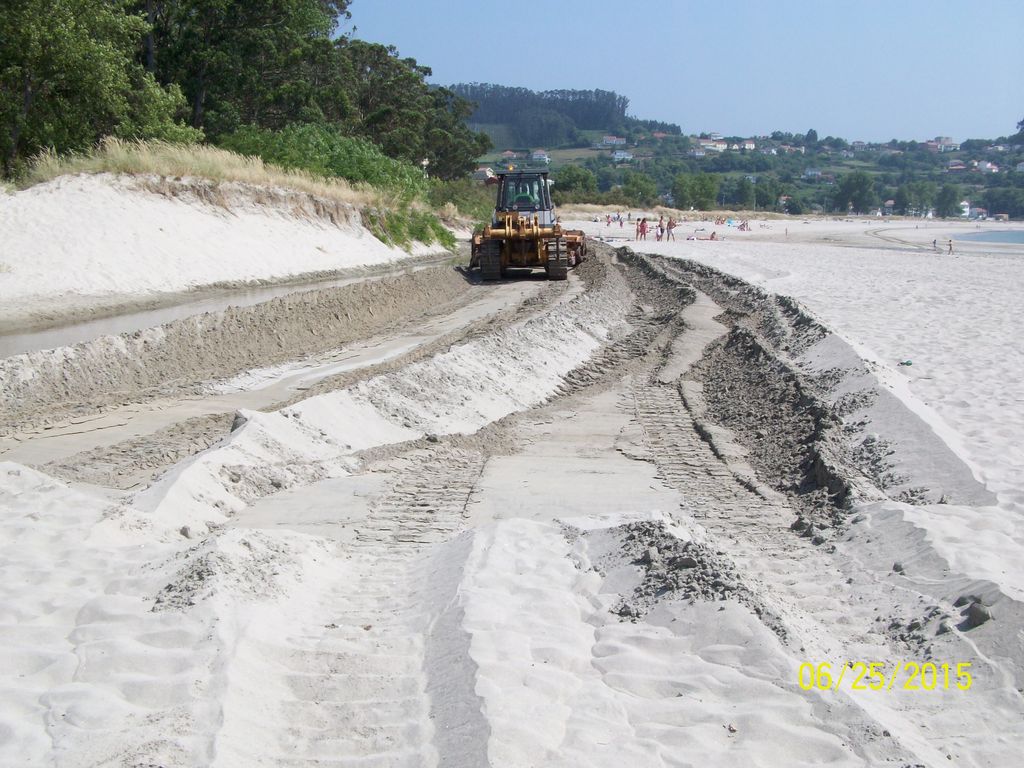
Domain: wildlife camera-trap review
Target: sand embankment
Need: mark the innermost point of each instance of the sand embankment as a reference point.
(84, 245)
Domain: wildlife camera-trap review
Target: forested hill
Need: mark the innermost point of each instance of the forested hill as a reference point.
(267, 77)
(523, 117)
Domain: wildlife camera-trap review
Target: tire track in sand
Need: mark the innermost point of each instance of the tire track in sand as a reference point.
(355, 681)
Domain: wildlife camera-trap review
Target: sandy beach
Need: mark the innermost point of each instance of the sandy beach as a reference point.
(666, 513)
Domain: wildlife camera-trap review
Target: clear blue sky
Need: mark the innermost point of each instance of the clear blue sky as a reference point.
(868, 69)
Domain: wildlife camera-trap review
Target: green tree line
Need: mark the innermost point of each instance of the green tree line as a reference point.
(596, 109)
(553, 118)
(241, 74)
(857, 193)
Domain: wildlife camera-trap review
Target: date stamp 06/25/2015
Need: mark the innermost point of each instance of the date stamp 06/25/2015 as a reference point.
(885, 676)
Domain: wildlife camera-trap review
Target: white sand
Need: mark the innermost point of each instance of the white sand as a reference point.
(601, 692)
(894, 300)
(458, 391)
(92, 239)
(276, 636)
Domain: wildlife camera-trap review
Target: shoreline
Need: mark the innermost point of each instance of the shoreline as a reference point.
(886, 233)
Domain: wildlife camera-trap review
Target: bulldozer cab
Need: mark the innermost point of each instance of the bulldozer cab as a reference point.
(523, 192)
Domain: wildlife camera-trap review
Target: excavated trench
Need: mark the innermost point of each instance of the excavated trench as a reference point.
(750, 387)
(174, 358)
(379, 325)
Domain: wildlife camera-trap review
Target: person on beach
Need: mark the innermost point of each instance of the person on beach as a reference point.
(636, 234)
(935, 245)
(669, 235)
(950, 247)
(643, 228)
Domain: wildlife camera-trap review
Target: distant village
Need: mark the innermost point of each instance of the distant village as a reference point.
(702, 146)
(621, 152)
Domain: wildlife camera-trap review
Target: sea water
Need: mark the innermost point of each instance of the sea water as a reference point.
(1000, 236)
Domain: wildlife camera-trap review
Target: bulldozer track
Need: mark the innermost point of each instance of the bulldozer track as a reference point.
(429, 504)
(685, 460)
(350, 684)
(490, 260)
(607, 364)
(354, 682)
(557, 260)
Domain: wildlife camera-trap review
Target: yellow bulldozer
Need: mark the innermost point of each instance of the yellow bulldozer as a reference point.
(524, 231)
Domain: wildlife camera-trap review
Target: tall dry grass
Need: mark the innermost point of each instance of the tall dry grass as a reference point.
(388, 214)
(159, 158)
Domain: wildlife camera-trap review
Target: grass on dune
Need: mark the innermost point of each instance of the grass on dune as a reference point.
(395, 221)
(161, 158)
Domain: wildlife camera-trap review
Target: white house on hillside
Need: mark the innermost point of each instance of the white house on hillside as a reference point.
(713, 145)
(621, 156)
(942, 144)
